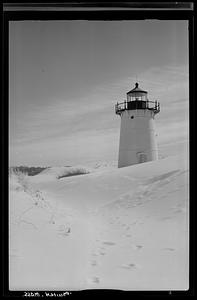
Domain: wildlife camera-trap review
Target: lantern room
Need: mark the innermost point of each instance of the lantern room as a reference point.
(137, 94)
(137, 99)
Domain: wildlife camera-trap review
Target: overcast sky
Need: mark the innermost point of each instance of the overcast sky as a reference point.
(66, 76)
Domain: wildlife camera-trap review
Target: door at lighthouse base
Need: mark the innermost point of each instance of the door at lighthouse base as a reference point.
(142, 157)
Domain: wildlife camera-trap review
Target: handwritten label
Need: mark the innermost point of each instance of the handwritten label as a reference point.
(46, 294)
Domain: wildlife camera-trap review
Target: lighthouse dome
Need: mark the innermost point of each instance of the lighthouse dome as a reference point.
(138, 91)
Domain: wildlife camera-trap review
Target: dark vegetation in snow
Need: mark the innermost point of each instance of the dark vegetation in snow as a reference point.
(73, 172)
(30, 171)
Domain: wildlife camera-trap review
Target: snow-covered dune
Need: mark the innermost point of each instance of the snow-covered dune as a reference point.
(114, 229)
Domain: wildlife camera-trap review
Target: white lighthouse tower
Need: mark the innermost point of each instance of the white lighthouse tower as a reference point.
(137, 132)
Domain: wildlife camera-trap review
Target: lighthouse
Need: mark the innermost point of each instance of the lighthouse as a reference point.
(137, 131)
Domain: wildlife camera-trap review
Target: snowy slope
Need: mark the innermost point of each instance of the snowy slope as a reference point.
(116, 229)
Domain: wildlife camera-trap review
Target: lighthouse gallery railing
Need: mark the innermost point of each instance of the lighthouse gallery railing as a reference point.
(151, 105)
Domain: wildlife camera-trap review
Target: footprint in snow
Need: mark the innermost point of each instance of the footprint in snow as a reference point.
(138, 247)
(93, 280)
(94, 263)
(166, 218)
(179, 210)
(134, 223)
(169, 249)
(129, 266)
(98, 252)
(102, 252)
(64, 230)
(109, 243)
(128, 235)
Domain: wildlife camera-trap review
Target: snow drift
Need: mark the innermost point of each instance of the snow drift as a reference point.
(110, 229)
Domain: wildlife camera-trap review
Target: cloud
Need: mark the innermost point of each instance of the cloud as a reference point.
(77, 148)
(87, 127)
